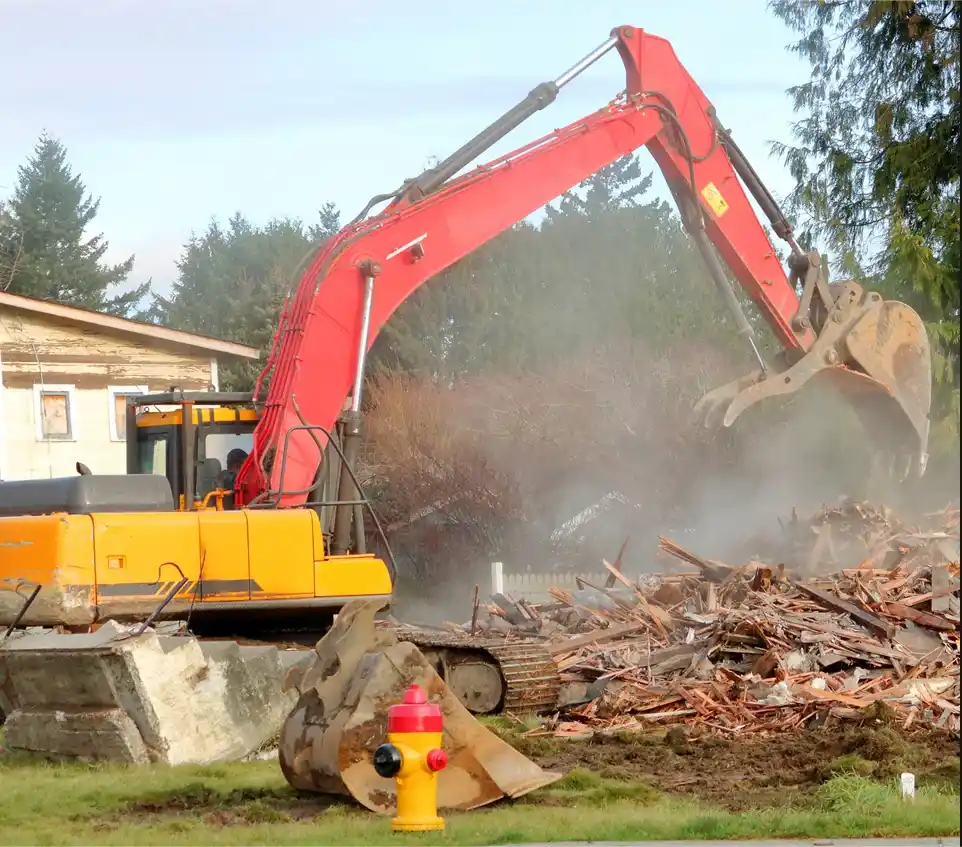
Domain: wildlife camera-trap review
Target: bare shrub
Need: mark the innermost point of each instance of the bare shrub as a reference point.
(491, 466)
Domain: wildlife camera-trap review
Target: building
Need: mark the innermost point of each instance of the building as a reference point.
(66, 373)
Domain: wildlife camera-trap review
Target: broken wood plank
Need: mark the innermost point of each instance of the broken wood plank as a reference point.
(569, 645)
(762, 580)
(878, 650)
(475, 606)
(615, 575)
(941, 594)
(867, 619)
(711, 570)
(837, 697)
(663, 621)
(711, 598)
(895, 584)
(657, 716)
(678, 662)
(513, 613)
(610, 581)
(926, 619)
(945, 704)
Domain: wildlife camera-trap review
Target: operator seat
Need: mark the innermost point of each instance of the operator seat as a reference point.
(208, 472)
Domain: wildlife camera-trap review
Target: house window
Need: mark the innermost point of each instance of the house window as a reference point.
(117, 397)
(54, 412)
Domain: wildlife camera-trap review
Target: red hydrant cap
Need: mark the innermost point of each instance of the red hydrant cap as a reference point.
(436, 760)
(415, 714)
(415, 696)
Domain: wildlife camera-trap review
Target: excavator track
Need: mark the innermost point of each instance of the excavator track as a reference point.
(492, 675)
(488, 675)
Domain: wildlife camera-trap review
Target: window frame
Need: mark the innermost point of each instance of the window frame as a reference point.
(70, 392)
(114, 391)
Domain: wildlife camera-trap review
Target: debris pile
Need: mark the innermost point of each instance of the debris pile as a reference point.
(758, 647)
(847, 534)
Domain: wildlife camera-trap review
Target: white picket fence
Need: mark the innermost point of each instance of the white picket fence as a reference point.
(536, 587)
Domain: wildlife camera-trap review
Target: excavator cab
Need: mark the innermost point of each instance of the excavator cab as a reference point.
(187, 438)
(190, 438)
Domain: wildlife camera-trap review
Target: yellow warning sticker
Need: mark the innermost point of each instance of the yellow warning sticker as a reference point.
(714, 199)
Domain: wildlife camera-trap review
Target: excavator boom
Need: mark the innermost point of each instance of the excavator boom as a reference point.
(358, 278)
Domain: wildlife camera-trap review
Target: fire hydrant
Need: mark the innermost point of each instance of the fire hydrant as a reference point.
(413, 757)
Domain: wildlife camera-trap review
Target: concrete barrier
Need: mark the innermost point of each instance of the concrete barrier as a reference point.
(108, 695)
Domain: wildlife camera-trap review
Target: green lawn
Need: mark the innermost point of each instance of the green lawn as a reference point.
(251, 804)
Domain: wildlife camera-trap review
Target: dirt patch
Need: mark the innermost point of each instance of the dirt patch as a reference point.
(778, 771)
(240, 807)
(754, 772)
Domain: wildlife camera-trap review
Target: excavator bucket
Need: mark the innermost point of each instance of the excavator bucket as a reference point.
(876, 353)
(328, 740)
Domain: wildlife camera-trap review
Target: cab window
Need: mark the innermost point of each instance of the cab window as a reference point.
(212, 468)
(218, 444)
(152, 456)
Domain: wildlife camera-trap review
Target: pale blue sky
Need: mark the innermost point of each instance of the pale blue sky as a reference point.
(174, 111)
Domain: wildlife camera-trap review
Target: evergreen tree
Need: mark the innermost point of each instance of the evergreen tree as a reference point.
(43, 249)
(328, 224)
(10, 247)
(619, 185)
(876, 159)
(232, 282)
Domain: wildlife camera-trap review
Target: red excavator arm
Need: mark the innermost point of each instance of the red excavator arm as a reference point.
(360, 276)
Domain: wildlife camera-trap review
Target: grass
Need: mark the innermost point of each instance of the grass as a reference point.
(42, 803)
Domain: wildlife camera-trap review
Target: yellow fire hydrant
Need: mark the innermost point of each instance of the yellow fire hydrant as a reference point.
(413, 757)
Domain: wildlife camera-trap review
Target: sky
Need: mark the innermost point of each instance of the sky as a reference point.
(175, 112)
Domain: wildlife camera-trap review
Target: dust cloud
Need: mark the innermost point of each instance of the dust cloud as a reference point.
(577, 484)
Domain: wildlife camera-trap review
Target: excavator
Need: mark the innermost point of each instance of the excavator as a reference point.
(286, 545)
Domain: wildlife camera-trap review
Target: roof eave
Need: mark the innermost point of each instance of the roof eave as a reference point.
(125, 326)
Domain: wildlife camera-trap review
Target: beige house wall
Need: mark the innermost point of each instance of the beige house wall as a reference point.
(49, 362)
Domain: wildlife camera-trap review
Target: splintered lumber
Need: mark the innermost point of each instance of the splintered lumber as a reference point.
(616, 568)
(867, 620)
(615, 574)
(926, 619)
(474, 610)
(763, 646)
(661, 619)
(513, 612)
(596, 637)
(837, 697)
(714, 571)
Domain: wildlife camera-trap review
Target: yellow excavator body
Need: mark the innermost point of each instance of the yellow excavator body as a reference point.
(122, 566)
(130, 547)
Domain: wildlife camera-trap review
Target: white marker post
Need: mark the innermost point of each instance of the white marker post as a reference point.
(497, 578)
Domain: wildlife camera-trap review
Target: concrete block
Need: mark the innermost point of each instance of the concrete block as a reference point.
(170, 699)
